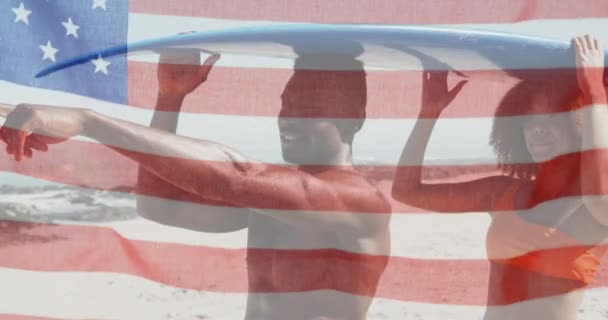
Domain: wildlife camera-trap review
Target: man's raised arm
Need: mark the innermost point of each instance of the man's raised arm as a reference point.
(207, 169)
(179, 73)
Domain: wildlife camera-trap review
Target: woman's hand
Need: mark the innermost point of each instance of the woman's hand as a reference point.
(435, 93)
(590, 69)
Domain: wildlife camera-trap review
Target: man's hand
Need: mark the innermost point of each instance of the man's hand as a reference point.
(181, 73)
(435, 93)
(31, 126)
(590, 69)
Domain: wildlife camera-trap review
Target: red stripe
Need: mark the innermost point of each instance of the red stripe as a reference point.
(370, 11)
(390, 94)
(93, 165)
(43, 247)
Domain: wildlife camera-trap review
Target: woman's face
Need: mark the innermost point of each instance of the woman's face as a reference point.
(548, 134)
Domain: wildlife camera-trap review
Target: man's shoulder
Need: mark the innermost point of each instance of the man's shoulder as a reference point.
(359, 192)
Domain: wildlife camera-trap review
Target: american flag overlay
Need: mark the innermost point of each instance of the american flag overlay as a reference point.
(189, 186)
(42, 32)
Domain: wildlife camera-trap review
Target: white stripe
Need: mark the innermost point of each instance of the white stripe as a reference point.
(115, 296)
(146, 26)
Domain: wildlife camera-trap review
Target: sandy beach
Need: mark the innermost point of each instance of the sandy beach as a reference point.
(73, 295)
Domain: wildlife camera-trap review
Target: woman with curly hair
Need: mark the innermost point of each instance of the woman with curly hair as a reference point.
(549, 216)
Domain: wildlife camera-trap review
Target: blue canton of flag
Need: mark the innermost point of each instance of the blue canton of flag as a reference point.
(37, 33)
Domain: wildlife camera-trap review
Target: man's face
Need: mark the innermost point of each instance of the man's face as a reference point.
(308, 134)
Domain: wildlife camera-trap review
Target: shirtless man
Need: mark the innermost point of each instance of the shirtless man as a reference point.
(319, 202)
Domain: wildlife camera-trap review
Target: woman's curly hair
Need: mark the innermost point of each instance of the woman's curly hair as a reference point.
(507, 137)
